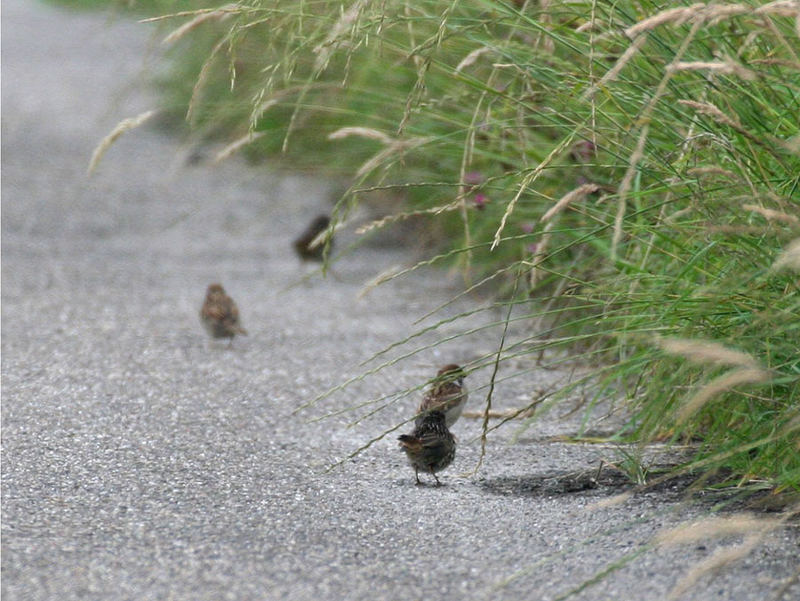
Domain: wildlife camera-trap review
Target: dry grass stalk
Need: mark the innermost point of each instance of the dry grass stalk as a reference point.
(221, 13)
(705, 352)
(794, 424)
(793, 143)
(714, 527)
(539, 254)
(788, 46)
(719, 385)
(697, 13)
(781, 62)
(342, 25)
(718, 560)
(396, 148)
(236, 145)
(627, 180)
(526, 182)
(611, 501)
(363, 132)
(676, 16)
(706, 108)
(755, 530)
(790, 257)
(712, 171)
(378, 223)
(638, 152)
(724, 67)
(123, 126)
(379, 279)
(200, 83)
(578, 193)
(322, 237)
(277, 96)
(712, 14)
(780, 8)
(612, 73)
(186, 13)
(715, 13)
(773, 215)
(261, 109)
(472, 57)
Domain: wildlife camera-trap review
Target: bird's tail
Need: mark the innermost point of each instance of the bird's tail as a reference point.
(409, 442)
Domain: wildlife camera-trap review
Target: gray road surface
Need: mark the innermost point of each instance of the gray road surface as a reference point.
(140, 461)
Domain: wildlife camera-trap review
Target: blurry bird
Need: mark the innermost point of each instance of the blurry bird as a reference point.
(448, 394)
(430, 447)
(302, 244)
(220, 315)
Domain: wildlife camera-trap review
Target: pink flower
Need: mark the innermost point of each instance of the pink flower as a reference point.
(473, 178)
(527, 227)
(531, 248)
(480, 200)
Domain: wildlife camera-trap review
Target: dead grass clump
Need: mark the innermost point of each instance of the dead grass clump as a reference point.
(789, 258)
(706, 352)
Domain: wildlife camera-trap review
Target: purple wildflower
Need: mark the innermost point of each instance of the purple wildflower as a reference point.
(480, 200)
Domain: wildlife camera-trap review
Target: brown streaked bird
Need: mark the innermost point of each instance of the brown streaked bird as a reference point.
(302, 244)
(220, 315)
(447, 394)
(430, 447)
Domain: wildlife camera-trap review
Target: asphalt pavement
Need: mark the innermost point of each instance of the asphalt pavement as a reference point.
(142, 461)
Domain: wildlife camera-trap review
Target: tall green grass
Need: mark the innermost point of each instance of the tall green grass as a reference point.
(630, 175)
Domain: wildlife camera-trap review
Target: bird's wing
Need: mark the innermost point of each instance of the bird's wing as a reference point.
(432, 440)
(214, 311)
(410, 442)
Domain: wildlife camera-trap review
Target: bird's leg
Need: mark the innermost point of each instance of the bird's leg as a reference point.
(435, 478)
(416, 474)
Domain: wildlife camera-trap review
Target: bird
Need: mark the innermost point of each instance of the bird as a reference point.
(430, 447)
(220, 315)
(303, 243)
(448, 394)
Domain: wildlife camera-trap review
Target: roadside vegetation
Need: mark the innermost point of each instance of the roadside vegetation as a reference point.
(627, 177)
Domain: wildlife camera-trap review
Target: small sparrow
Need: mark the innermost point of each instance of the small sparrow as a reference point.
(430, 447)
(302, 244)
(447, 394)
(220, 315)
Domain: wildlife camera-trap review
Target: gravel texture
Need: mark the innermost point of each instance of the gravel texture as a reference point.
(142, 461)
